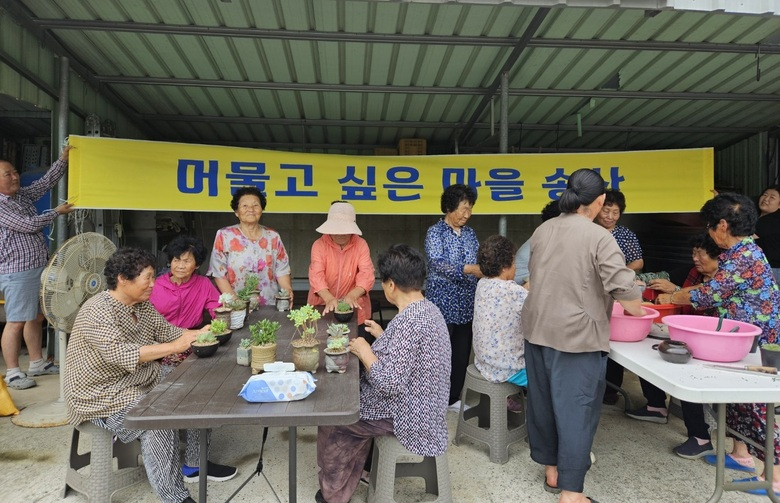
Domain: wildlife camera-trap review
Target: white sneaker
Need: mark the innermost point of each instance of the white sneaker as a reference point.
(456, 406)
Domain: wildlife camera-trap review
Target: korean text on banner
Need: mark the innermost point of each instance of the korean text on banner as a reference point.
(112, 173)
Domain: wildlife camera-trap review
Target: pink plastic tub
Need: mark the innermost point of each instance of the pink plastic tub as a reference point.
(627, 328)
(698, 332)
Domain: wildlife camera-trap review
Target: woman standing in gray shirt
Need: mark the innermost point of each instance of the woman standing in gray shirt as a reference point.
(578, 271)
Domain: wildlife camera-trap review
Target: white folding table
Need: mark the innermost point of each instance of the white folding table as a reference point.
(693, 382)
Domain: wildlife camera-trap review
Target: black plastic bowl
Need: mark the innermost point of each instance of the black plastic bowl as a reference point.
(223, 338)
(205, 351)
(343, 317)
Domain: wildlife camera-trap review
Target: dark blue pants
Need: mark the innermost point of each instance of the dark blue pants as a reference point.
(564, 404)
(461, 337)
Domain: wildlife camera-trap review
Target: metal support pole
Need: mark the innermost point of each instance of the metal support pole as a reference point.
(503, 146)
(62, 186)
(46, 414)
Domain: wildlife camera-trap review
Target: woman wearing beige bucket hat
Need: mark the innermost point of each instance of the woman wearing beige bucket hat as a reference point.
(341, 266)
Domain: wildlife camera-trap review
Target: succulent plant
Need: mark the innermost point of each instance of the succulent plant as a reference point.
(264, 332)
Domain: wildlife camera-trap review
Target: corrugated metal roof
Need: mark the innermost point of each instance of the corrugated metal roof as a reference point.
(354, 75)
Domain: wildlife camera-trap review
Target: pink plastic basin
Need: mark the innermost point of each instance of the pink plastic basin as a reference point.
(627, 328)
(705, 343)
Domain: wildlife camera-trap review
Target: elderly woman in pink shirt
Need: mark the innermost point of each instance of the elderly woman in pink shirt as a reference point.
(341, 266)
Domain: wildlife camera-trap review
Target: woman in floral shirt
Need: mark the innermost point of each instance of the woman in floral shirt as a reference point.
(451, 248)
(498, 354)
(249, 247)
(743, 289)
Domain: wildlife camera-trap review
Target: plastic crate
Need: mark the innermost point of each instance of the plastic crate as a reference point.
(412, 146)
(385, 151)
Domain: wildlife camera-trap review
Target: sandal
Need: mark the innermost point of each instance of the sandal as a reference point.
(19, 382)
(551, 489)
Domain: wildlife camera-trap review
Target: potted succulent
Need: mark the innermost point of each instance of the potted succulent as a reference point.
(237, 309)
(223, 311)
(306, 353)
(337, 354)
(343, 312)
(770, 355)
(220, 330)
(205, 344)
(250, 294)
(283, 300)
(263, 343)
(244, 352)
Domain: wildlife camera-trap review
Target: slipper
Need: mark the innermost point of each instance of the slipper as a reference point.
(48, 369)
(760, 492)
(591, 500)
(551, 489)
(19, 382)
(731, 463)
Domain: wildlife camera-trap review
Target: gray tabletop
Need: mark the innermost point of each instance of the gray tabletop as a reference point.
(203, 392)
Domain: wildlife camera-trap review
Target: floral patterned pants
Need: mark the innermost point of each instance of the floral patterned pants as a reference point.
(749, 419)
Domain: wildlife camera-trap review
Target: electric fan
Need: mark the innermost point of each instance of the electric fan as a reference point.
(73, 275)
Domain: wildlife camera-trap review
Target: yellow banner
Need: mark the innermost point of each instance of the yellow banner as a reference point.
(115, 173)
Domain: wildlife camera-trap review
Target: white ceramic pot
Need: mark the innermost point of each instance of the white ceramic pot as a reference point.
(237, 319)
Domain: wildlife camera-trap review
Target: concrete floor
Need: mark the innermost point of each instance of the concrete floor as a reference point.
(634, 464)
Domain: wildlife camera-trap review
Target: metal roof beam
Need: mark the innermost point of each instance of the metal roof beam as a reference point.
(520, 46)
(439, 125)
(24, 114)
(395, 38)
(37, 82)
(468, 91)
(20, 13)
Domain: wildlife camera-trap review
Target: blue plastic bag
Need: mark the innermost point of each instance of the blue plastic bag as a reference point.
(278, 387)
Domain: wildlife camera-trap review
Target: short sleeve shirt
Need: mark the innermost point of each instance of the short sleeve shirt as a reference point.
(628, 243)
(102, 375)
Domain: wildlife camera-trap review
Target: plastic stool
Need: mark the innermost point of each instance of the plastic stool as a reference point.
(496, 426)
(102, 481)
(385, 468)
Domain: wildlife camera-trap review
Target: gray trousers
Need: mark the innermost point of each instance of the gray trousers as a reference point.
(564, 404)
(160, 451)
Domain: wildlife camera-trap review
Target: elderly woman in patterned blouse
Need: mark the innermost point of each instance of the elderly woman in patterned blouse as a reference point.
(498, 354)
(405, 384)
(451, 247)
(112, 363)
(614, 206)
(743, 289)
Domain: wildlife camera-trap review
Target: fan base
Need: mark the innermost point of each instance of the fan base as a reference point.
(42, 415)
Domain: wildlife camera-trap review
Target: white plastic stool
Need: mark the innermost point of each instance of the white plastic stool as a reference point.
(496, 426)
(102, 481)
(385, 468)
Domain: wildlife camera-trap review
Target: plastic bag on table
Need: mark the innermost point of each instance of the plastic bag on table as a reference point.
(278, 387)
